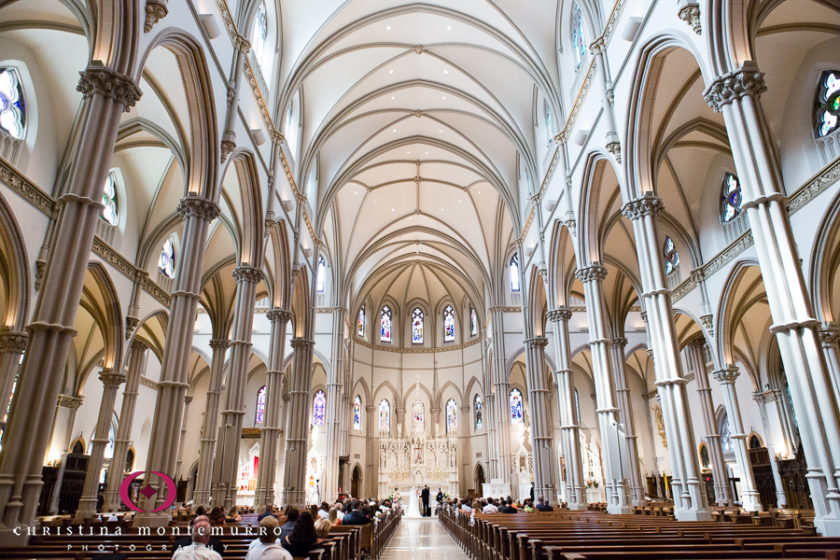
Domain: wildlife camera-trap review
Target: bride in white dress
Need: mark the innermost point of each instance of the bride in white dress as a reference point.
(413, 505)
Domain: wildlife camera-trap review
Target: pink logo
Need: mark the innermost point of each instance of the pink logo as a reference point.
(148, 491)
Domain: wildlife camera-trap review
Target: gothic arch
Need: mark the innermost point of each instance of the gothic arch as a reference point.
(14, 269)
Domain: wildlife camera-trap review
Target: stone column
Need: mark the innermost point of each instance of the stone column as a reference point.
(273, 395)
(501, 388)
(210, 425)
(592, 278)
(179, 474)
(466, 472)
(540, 425)
(763, 399)
(749, 495)
(297, 424)
(329, 487)
(625, 414)
(371, 451)
(723, 492)
(575, 496)
(247, 277)
(828, 336)
(689, 497)
(197, 214)
(107, 94)
(603, 70)
(12, 345)
(736, 95)
(111, 381)
(71, 404)
(136, 360)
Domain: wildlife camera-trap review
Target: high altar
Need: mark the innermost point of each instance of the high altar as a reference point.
(406, 463)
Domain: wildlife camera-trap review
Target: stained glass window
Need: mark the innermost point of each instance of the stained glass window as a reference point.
(320, 276)
(418, 415)
(730, 198)
(259, 37)
(705, 460)
(515, 406)
(672, 258)
(578, 41)
(725, 434)
(319, 408)
(451, 417)
(478, 412)
(166, 261)
(260, 419)
(549, 123)
(514, 272)
(417, 326)
(473, 321)
(12, 109)
(360, 322)
(109, 199)
(357, 413)
(385, 324)
(385, 417)
(577, 407)
(448, 324)
(827, 104)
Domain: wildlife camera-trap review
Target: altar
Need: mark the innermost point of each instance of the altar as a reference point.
(412, 463)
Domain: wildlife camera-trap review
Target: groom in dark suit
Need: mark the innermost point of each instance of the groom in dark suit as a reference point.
(424, 497)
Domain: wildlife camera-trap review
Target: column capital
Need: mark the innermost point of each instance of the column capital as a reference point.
(99, 80)
(536, 342)
(619, 342)
(646, 205)
(219, 343)
(558, 314)
(278, 314)
(743, 81)
(137, 345)
(69, 401)
(247, 273)
(690, 13)
(13, 341)
(768, 396)
(242, 44)
(111, 378)
(597, 46)
(188, 399)
(727, 375)
(828, 334)
(198, 206)
(302, 343)
(594, 272)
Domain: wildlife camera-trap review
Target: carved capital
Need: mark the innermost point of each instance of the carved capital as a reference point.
(277, 314)
(536, 342)
(598, 46)
(228, 144)
(188, 399)
(727, 374)
(68, 401)
(690, 13)
(241, 44)
(559, 314)
(593, 272)
(111, 378)
(131, 324)
(13, 341)
(828, 335)
(746, 80)
(247, 273)
(98, 80)
(707, 321)
(156, 10)
(646, 205)
(419, 49)
(619, 342)
(137, 346)
(302, 344)
(615, 149)
(194, 205)
(219, 343)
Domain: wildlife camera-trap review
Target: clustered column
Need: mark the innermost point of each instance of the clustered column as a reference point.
(501, 387)
(12, 346)
(329, 489)
(209, 427)
(570, 431)
(592, 278)
(297, 422)
(763, 399)
(540, 426)
(625, 414)
(269, 438)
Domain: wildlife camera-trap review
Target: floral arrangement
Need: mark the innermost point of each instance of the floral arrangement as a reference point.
(592, 484)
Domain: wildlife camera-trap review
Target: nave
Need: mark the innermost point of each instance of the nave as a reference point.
(422, 539)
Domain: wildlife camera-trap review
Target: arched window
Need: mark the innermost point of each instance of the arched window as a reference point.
(478, 412)
(260, 418)
(473, 321)
(549, 123)
(360, 322)
(725, 433)
(827, 104)
(321, 275)
(705, 461)
(514, 272)
(451, 417)
(12, 108)
(577, 407)
(448, 324)
(755, 441)
(166, 262)
(515, 406)
(259, 39)
(417, 326)
(319, 408)
(418, 415)
(357, 413)
(385, 324)
(129, 460)
(110, 212)
(385, 417)
(578, 40)
(730, 198)
(672, 258)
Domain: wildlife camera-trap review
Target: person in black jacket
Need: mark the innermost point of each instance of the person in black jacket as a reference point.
(543, 505)
(303, 537)
(355, 517)
(508, 507)
(424, 497)
(532, 492)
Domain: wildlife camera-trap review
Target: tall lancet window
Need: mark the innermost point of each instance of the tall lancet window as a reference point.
(259, 39)
(478, 412)
(418, 416)
(473, 321)
(827, 104)
(360, 322)
(384, 417)
(357, 413)
(448, 324)
(417, 326)
(109, 211)
(672, 258)
(319, 408)
(451, 417)
(260, 417)
(385, 324)
(12, 108)
(578, 40)
(166, 261)
(515, 406)
(513, 267)
(730, 198)
(320, 277)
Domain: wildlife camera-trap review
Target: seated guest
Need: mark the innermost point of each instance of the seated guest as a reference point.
(490, 508)
(217, 517)
(543, 505)
(266, 547)
(528, 507)
(355, 517)
(332, 517)
(339, 511)
(292, 514)
(183, 542)
(268, 511)
(508, 507)
(303, 537)
(324, 511)
(322, 530)
(465, 507)
(197, 548)
(233, 514)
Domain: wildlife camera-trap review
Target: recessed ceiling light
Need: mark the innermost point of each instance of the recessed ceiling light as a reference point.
(394, 130)
(426, 152)
(374, 202)
(445, 71)
(449, 28)
(391, 71)
(392, 209)
(393, 97)
(460, 201)
(355, 192)
(387, 28)
(441, 209)
(443, 97)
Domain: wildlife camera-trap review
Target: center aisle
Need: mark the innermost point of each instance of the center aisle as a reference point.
(422, 539)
